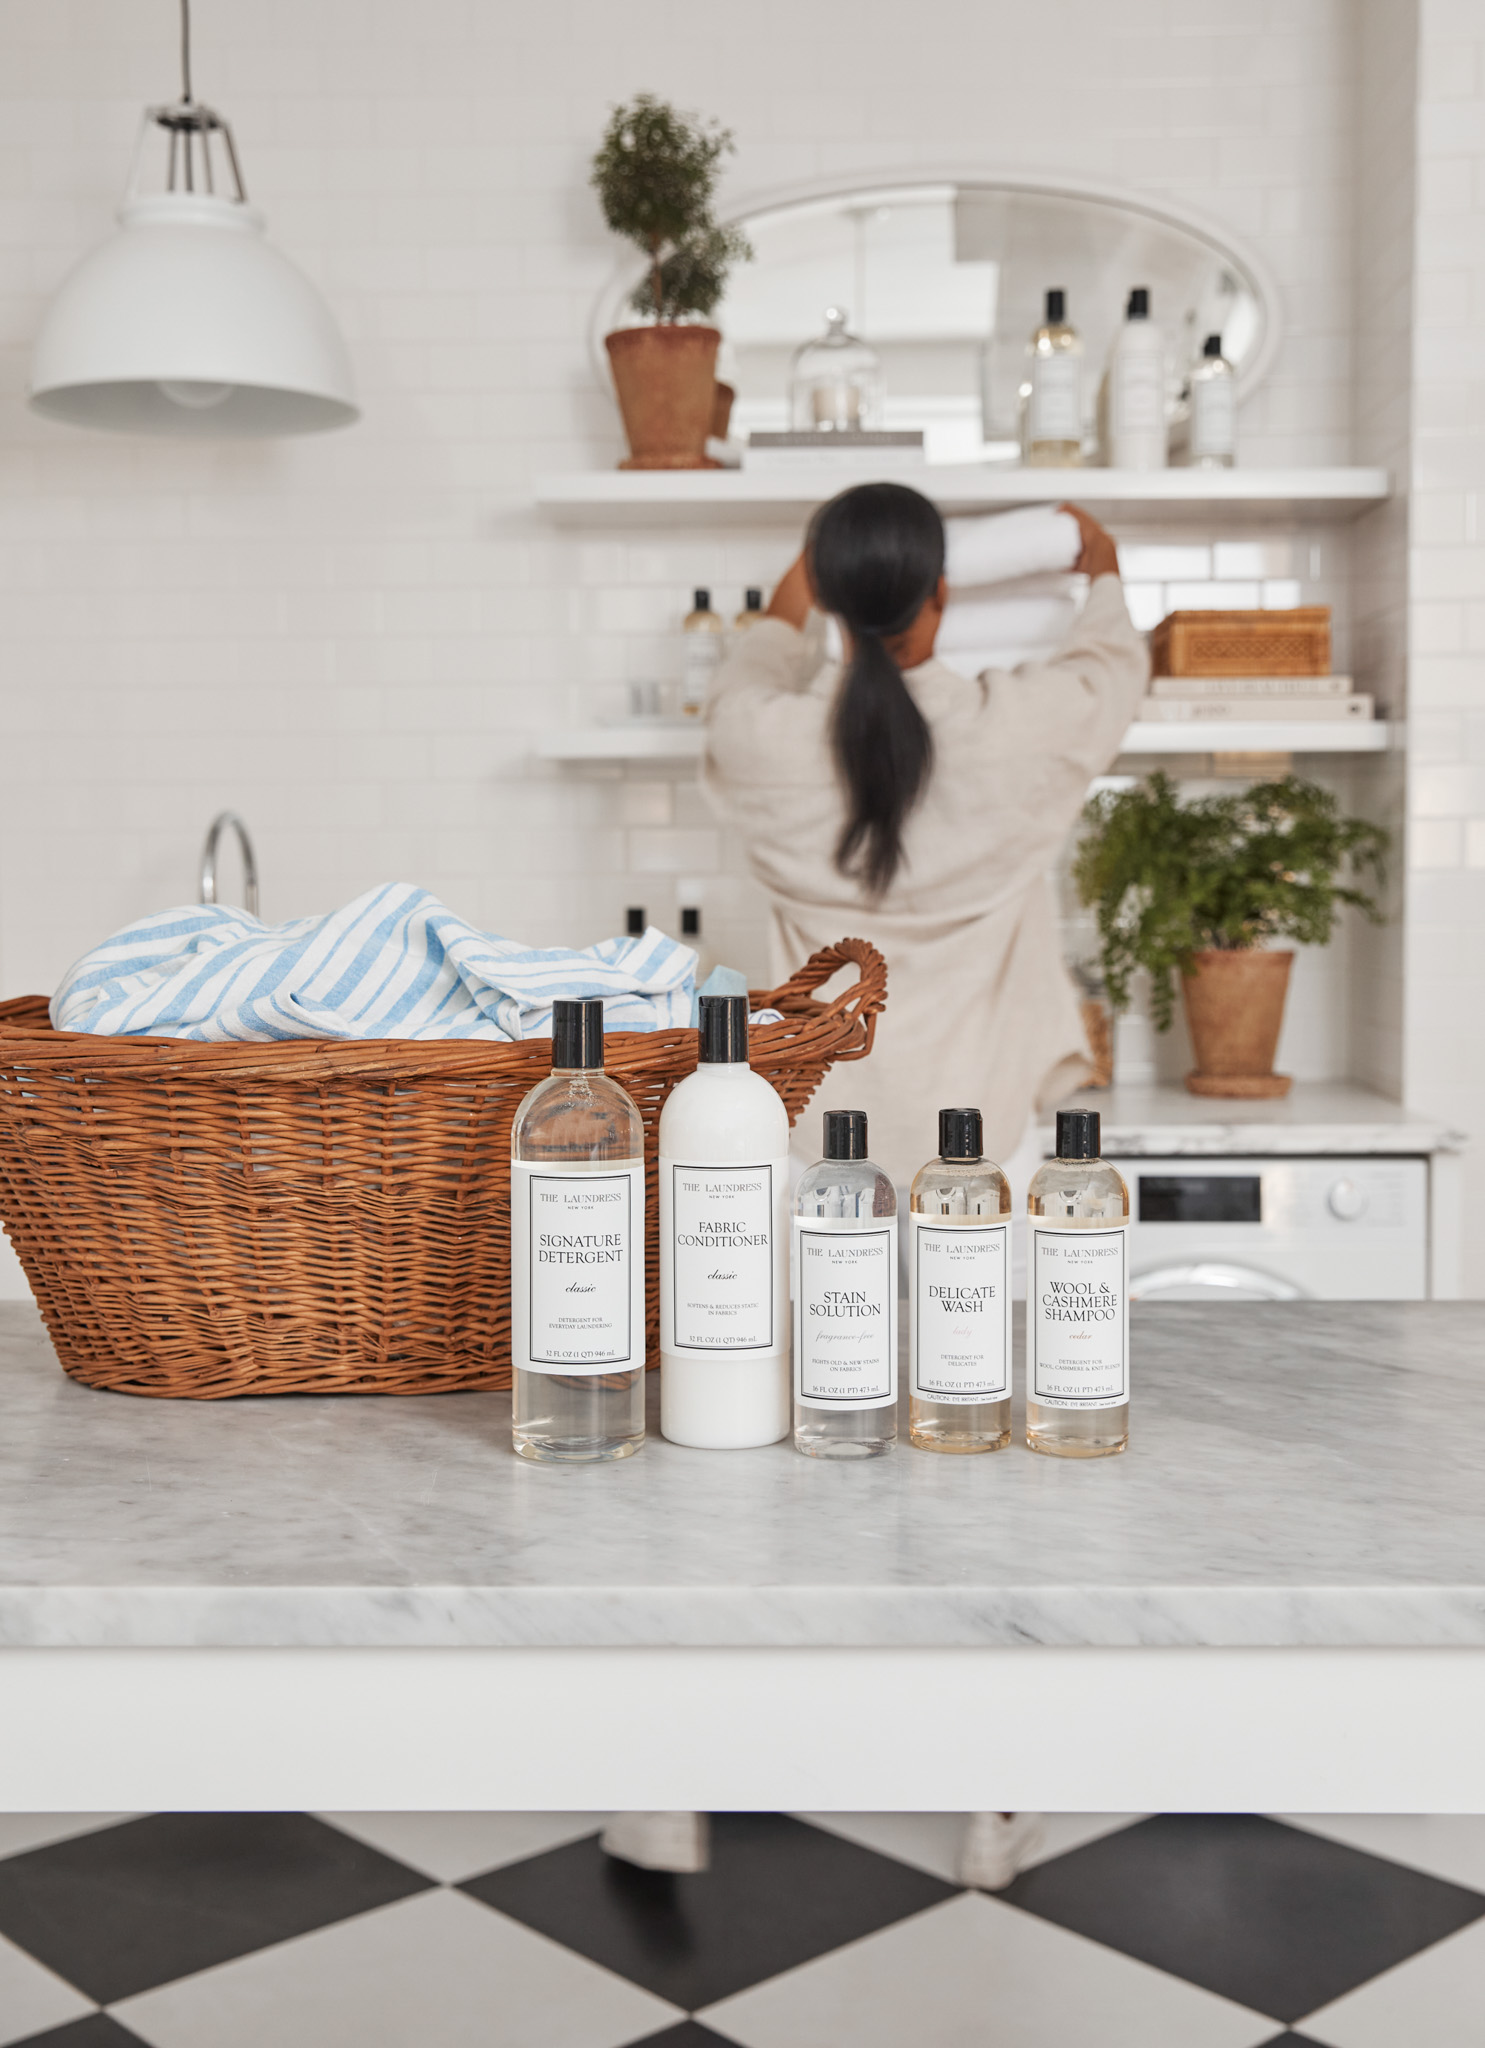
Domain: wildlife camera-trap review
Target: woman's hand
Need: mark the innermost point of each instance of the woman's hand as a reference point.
(794, 596)
(1099, 556)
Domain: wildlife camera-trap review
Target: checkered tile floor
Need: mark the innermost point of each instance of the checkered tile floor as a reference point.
(809, 1931)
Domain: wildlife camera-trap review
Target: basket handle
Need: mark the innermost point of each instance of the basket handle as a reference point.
(856, 1006)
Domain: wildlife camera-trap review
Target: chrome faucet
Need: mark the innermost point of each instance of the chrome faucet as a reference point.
(219, 824)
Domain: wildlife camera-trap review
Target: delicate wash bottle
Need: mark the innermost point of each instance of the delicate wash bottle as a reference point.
(959, 1294)
(1077, 1299)
(577, 1265)
(845, 1299)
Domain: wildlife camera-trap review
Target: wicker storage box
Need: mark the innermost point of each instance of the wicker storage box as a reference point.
(322, 1216)
(1292, 643)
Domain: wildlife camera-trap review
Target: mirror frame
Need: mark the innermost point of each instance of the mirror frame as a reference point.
(608, 308)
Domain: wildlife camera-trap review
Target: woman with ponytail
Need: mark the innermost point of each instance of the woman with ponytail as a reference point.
(888, 797)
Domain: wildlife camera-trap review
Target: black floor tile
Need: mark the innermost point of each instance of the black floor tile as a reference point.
(132, 1906)
(97, 2030)
(1289, 2039)
(778, 1893)
(1280, 1920)
(689, 2034)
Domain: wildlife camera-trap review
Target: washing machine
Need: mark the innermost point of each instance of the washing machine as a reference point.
(1278, 1229)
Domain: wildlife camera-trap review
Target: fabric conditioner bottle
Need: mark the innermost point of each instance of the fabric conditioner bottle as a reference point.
(724, 1246)
(1077, 1299)
(845, 1299)
(577, 1255)
(959, 1294)
(1133, 411)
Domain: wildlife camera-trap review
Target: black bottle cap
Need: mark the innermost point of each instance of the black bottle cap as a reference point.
(1212, 346)
(634, 921)
(961, 1134)
(691, 923)
(1056, 307)
(724, 1031)
(1139, 304)
(1078, 1134)
(752, 600)
(845, 1134)
(577, 1033)
(703, 600)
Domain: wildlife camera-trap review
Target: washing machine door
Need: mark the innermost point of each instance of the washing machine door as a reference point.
(1210, 1280)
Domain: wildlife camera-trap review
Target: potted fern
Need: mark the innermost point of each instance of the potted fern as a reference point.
(1200, 890)
(655, 173)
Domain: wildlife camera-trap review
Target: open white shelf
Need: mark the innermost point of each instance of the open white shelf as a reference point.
(689, 497)
(639, 741)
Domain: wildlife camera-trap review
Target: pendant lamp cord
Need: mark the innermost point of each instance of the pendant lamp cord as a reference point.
(185, 50)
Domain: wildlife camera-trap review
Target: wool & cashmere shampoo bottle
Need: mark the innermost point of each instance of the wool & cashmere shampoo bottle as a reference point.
(1077, 1299)
(959, 1294)
(577, 1261)
(724, 1246)
(845, 1299)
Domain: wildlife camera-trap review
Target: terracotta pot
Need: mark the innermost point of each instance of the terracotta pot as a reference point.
(1234, 1008)
(666, 379)
(722, 411)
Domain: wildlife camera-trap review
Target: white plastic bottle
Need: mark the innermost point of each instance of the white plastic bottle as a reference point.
(724, 1246)
(1134, 400)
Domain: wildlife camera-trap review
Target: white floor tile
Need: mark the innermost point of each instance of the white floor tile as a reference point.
(1447, 1845)
(453, 1846)
(1434, 2000)
(437, 1971)
(22, 1831)
(31, 1998)
(930, 1841)
(973, 1971)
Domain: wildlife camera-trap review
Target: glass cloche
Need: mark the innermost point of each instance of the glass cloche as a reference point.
(835, 381)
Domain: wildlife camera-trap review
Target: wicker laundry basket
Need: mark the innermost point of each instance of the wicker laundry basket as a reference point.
(316, 1217)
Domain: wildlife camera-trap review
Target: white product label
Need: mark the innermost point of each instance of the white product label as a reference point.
(1213, 416)
(577, 1268)
(717, 1222)
(1056, 411)
(1078, 1318)
(1139, 395)
(845, 1312)
(959, 1278)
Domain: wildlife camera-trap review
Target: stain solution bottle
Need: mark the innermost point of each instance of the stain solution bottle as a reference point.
(577, 1265)
(1077, 1299)
(959, 1294)
(845, 1299)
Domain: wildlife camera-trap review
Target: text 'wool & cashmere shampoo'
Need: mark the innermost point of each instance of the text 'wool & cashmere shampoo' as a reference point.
(959, 1294)
(577, 1255)
(1077, 1299)
(845, 1299)
(724, 1246)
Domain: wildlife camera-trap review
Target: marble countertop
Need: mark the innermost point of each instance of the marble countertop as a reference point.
(1300, 1473)
(1315, 1117)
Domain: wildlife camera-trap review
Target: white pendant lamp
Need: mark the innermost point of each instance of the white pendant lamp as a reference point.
(187, 321)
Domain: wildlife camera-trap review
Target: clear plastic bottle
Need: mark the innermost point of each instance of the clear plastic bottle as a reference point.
(752, 612)
(1052, 394)
(702, 635)
(1212, 429)
(1077, 1299)
(577, 1256)
(959, 1294)
(845, 1299)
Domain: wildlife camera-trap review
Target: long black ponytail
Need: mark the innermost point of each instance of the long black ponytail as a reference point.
(876, 554)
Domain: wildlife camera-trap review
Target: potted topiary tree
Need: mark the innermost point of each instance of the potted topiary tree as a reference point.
(655, 173)
(1200, 889)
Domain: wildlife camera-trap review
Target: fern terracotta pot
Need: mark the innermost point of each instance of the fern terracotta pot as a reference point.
(666, 380)
(1234, 1011)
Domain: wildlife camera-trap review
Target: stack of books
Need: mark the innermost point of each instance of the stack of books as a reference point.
(1216, 698)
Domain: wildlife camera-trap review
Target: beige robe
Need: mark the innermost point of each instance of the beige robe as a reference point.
(980, 1010)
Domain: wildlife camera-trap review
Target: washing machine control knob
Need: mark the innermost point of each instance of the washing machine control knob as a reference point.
(1346, 1200)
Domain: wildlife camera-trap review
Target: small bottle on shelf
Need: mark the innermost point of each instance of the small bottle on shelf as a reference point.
(701, 652)
(634, 921)
(577, 1255)
(724, 1246)
(1212, 429)
(1077, 1299)
(751, 612)
(845, 1299)
(959, 1294)
(1052, 394)
(1133, 408)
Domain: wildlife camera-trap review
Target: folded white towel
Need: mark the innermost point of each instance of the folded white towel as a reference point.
(998, 546)
(1007, 622)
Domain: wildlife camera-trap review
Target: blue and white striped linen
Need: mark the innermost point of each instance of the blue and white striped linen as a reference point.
(396, 963)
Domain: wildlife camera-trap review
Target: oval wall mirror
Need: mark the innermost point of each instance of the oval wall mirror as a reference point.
(945, 278)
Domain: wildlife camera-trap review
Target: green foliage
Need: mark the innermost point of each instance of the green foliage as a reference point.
(1169, 879)
(655, 173)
